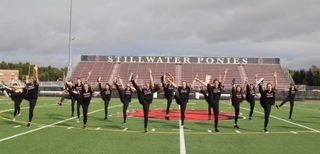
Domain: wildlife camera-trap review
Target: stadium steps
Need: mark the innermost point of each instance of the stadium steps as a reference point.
(243, 74)
(114, 72)
(178, 74)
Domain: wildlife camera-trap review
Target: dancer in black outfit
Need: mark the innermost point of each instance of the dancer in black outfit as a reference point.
(267, 99)
(182, 97)
(105, 94)
(125, 94)
(145, 96)
(16, 92)
(250, 96)
(32, 91)
(291, 97)
(214, 93)
(66, 95)
(84, 97)
(78, 87)
(168, 92)
(236, 98)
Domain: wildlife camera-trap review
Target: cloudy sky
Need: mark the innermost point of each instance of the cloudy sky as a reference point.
(37, 30)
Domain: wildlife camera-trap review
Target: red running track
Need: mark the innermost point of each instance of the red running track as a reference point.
(194, 115)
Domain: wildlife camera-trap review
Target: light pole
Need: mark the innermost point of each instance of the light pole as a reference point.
(70, 39)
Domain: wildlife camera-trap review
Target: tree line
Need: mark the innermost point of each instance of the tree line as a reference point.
(46, 73)
(310, 77)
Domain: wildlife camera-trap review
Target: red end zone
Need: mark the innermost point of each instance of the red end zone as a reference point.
(195, 115)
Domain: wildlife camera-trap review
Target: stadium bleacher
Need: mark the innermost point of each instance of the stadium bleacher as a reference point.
(181, 71)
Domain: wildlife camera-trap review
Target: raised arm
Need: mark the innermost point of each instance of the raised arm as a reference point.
(275, 80)
(121, 82)
(256, 78)
(194, 81)
(99, 83)
(163, 79)
(203, 82)
(260, 88)
(151, 79)
(172, 83)
(245, 85)
(89, 74)
(36, 74)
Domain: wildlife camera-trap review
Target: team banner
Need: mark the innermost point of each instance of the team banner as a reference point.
(180, 60)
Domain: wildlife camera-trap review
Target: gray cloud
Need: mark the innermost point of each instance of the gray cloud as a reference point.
(37, 30)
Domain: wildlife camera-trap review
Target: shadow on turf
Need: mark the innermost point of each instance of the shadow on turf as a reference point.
(313, 117)
(302, 121)
(9, 122)
(56, 116)
(166, 123)
(286, 127)
(98, 118)
(113, 126)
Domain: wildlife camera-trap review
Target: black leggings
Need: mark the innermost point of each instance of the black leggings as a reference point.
(146, 107)
(169, 102)
(124, 110)
(125, 103)
(106, 104)
(17, 98)
(267, 111)
(208, 101)
(17, 108)
(236, 107)
(17, 102)
(215, 106)
(85, 108)
(77, 98)
(291, 100)
(32, 105)
(252, 104)
(183, 107)
(73, 102)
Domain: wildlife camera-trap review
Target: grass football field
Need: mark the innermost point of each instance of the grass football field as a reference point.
(55, 131)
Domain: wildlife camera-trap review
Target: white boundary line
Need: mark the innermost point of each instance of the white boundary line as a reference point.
(306, 127)
(182, 140)
(50, 125)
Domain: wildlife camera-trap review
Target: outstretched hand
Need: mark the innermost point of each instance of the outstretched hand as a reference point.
(226, 71)
(115, 80)
(69, 83)
(196, 77)
(247, 80)
(275, 74)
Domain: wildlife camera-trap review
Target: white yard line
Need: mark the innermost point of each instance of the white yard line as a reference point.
(182, 140)
(293, 123)
(50, 125)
